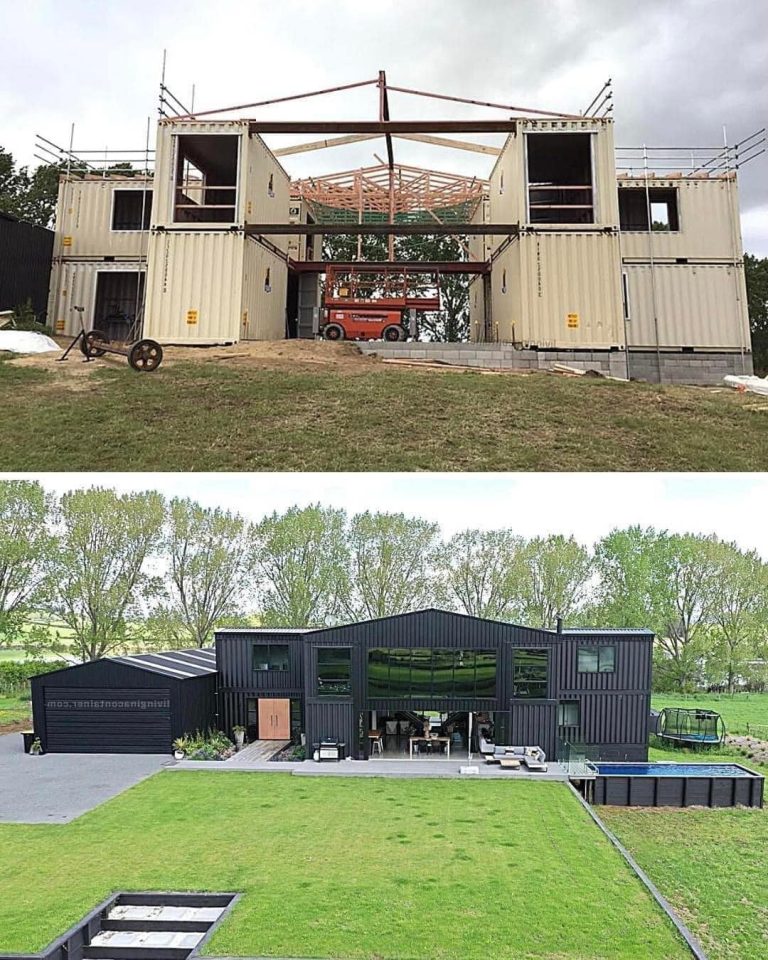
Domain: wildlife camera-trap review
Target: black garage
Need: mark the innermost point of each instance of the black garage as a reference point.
(125, 704)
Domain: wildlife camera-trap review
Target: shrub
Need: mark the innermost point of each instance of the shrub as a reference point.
(212, 745)
(14, 676)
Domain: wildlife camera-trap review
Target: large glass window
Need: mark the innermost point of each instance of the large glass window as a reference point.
(334, 671)
(437, 673)
(270, 656)
(597, 659)
(529, 673)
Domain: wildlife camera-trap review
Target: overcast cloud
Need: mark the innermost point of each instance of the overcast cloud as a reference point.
(681, 69)
(586, 506)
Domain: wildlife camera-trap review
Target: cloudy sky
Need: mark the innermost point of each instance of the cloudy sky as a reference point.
(584, 505)
(681, 69)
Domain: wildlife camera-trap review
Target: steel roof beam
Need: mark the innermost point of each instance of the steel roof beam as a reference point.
(382, 127)
(380, 266)
(370, 229)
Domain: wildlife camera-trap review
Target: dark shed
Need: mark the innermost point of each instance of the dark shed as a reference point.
(25, 264)
(128, 704)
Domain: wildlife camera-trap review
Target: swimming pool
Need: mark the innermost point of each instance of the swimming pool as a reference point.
(675, 785)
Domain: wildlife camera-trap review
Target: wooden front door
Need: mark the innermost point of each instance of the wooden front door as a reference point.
(274, 719)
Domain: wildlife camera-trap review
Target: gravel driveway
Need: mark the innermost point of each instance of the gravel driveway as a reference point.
(58, 787)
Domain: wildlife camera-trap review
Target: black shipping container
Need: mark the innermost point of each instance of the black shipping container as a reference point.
(25, 264)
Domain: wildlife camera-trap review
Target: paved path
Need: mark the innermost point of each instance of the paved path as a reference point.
(58, 787)
(257, 751)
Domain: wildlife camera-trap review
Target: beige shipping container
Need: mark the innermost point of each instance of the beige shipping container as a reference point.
(75, 284)
(265, 279)
(707, 215)
(194, 287)
(267, 189)
(86, 217)
(699, 306)
(560, 291)
(510, 176)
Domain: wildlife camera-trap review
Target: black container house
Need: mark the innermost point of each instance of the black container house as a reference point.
(125, 704)
(25, 264)
(586, 688)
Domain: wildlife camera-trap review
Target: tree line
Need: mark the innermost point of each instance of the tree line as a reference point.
(96, 572)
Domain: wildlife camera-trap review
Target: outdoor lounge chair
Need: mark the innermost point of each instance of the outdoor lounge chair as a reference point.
(509, 757)
(535, 759)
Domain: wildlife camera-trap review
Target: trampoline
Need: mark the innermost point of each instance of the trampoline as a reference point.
(691, 727)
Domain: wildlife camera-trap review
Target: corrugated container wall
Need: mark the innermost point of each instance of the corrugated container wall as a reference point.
(571, 292)
(25, 264)
(265, 278)
(480, 248)
(194, 287)
(708, 213)
(267, 190)
(84, 219)
(73, 284)
(698, 305)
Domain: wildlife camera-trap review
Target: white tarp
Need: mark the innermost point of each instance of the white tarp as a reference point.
(750, 384)
(23, 341)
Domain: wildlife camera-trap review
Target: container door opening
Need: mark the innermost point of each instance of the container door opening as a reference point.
(119, 309)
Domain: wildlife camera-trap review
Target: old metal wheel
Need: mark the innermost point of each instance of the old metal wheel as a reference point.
(90, 344)
(145, 356)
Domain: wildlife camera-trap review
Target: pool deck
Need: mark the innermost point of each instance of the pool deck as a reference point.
(401, 769)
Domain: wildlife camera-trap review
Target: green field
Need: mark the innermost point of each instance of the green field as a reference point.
(221, 416)
(711, 865)
(737, 711)
(14, 710)
(346, 868)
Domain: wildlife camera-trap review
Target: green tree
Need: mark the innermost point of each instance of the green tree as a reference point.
(25, 552)
(756, 273)
(739, 610)
(391, 564)
(557, 571)
(665, 582)
(30, 196)
(481, 573)
(298, 562)
(206, 552)
(100, 583)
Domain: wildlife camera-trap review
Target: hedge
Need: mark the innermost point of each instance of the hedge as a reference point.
(14, 674)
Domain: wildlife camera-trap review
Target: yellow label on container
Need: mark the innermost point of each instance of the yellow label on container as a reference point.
(66, 241)
(573, 321)
(191, 316)
(60, 325)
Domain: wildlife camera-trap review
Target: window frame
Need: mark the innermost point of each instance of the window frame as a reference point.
(148, 190)
(546, 651)
(268, 647)
(176, 186)
(403, 658)
(318, 689)
(561, 721)
(599, 650)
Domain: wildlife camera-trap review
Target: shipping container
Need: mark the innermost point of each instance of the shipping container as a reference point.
(267, 189)
(695, 218)
(91, 294)
(698, 306)
(25, 264)
(194, 287)
(557, 173)
(559, 291)
(265, 279)
(103, 217)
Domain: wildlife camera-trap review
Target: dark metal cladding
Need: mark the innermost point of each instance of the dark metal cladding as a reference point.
(704, 791)
(25, 264)
(612, 706)
(109, 706)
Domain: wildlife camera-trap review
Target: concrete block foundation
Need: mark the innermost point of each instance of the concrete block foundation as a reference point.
(702, 369)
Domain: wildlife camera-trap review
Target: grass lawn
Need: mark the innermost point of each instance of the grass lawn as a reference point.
(737, 711)
(364, 416)
(711, 865)
(14, 711)
(349, 868)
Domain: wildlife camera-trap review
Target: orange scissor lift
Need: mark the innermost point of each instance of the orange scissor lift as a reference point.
(370, 302)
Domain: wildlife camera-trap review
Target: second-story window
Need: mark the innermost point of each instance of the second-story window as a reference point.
(597, 659)
(131, 209)
(334, 671)
(270, 656)
(529, 673)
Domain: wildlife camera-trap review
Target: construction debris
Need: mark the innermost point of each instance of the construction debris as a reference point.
(567, 371)
(24, 341)
(749, 384)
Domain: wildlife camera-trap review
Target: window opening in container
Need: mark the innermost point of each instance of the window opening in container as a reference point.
(633, 209)
(206, 178)
(560, 187)
(131, 209)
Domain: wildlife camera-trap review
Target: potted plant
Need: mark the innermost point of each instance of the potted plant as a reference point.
(239, 733)
(36, 749)
(180, 745)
